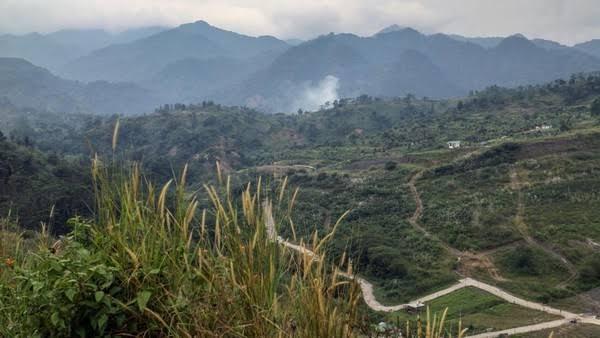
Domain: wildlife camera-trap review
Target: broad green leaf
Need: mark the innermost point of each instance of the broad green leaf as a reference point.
(70, 293)
(98, 296)
(142, 299)
(55, 319)
(102, 321)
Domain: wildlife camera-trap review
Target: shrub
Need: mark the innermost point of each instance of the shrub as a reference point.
(144, 268)
(390, 165)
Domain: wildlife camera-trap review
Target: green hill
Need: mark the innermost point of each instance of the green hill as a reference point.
(37, 187)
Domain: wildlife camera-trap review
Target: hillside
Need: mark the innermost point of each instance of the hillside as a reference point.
(513, 207)
(407, 62)
(197, 61)
(139, 60)
(591, 47)
(37, 187)
(27, 85)
(55, 49)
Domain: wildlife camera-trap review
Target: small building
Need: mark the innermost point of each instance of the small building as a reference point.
(454, 144)
(414, 307)
(543, 127)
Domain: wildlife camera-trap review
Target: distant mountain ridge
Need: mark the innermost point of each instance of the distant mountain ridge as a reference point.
(136, 61)
(591, 47)
(436, 66)
(55, 49)
(196, 62)
(24, 85)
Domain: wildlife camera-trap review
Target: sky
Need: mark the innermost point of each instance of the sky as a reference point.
(566, 21)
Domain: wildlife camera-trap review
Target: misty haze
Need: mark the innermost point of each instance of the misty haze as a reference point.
(398, 168)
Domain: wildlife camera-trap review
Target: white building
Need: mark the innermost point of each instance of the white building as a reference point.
(454, 144)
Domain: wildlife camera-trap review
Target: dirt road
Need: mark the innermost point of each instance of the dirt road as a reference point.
(371, 301)
(517, 185)
(414, 219)
(468, 260)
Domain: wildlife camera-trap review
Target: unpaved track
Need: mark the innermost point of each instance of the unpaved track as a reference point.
(468, 260)
(523, 228)
(414, 219)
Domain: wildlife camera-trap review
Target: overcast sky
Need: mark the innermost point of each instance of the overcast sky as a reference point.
(567, 21)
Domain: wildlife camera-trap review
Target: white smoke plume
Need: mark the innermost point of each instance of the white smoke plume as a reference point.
(314, 97)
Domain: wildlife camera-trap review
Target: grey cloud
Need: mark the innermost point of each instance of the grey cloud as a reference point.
(567, 21)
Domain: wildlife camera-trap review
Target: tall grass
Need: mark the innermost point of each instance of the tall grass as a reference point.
(175, 270)
(214, 272)
(153, 263)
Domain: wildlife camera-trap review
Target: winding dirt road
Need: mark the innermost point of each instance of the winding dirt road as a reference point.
(414, 219)
(371, 301)
(523, 228)
(468, 260)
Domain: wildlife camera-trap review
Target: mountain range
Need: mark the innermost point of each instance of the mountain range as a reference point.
(56, 49)
(25, 85)
(197, 61)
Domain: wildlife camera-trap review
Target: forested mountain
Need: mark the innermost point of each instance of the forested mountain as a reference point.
(198, 62)
(55, 49)
(494, 41)
(485, 42)
(141, 59)
(26, 85)
(37, 187)
(405, 61)
(591, 47)
(240, 137)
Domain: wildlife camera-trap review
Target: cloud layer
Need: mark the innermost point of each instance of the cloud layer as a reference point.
(567, 21)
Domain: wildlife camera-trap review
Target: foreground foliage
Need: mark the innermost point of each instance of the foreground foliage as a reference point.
(145, 268)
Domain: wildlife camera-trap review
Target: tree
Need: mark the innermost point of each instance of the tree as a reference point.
(390, 165)
(2, 137)
(595, 108)
(565, 123)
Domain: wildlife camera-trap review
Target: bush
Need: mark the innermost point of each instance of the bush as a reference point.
(590, 271)
(595, 107)
(390, 165)
(74, 294)
(142, 268)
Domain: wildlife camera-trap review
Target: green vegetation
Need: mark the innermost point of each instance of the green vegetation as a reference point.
(36, 187)
(595, 107)
(142, 267)
(567, 331)
(479, 311)
(376, 234)
(515, 206)
(472, 209)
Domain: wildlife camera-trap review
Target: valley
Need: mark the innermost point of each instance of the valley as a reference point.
(194, 181)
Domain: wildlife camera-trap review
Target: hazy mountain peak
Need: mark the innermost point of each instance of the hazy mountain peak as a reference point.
(516, 42)
(391, 28)
(199, 26)
(518, 36)
(397, 30)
